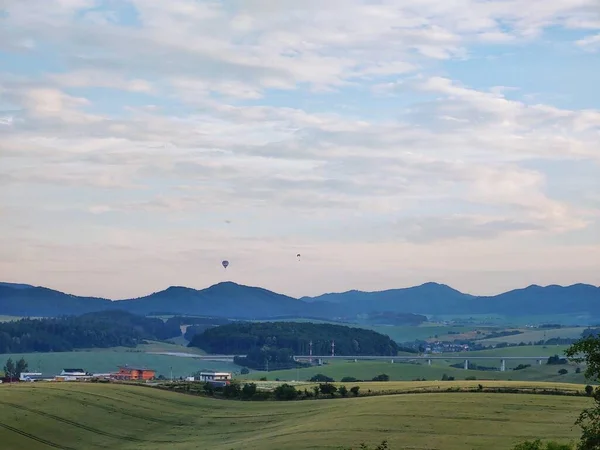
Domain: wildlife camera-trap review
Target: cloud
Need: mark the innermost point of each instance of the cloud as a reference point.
(341, 127)
(591, 43)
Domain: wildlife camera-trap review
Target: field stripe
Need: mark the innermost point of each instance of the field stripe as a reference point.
(33, 437)
(85, 427)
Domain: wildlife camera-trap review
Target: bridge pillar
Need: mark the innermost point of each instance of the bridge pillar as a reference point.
(392, 361)
(428, 362)
(502, 365)
(466, 364)
(355, 360)
(539, 362)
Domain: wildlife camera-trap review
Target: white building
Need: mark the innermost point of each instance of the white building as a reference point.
(73, 375)
(215, 376)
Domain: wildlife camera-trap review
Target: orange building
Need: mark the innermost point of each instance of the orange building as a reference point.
(134, 373)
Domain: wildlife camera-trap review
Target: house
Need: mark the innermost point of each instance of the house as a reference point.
(34, 376)
(211, 376)
(73, 375)
(134, 373)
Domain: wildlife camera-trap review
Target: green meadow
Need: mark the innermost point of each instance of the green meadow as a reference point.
(88, 416)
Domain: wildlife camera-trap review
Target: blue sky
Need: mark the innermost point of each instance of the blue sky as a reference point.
(389, 142)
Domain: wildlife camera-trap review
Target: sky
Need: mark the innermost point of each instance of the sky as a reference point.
(388, 142)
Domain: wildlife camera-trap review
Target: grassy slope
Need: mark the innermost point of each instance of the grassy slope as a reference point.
(87, 416)
(537, 335)
(366, 370)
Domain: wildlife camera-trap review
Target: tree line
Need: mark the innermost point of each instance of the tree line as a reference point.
(94, 330)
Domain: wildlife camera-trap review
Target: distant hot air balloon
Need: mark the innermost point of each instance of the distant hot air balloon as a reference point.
(225, 264)
(298, 256)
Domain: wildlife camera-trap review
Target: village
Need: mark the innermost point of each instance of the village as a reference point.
(125, 373)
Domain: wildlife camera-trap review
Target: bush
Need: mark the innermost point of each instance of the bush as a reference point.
(522, 366)
(589, 390)
(382, 377)
(245, 371)
(563, 372)
(471, 378)
(447, 378)
(343, 391)
(578, 370)
(320, 378)
(232, 390)
(349, 380)
(262, 379)
(249, 390)
(328, 389)
(285, 392)
(355, 390)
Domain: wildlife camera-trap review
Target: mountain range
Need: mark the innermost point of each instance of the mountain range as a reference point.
(236, 301)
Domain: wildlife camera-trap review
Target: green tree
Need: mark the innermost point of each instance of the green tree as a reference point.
(245, 371)
(343, 391)
(563, 372)
(285, 392)
(382, 377)
(320, 378)
(248, 390)
(589, 390)
(9, 368)
(316, 390)
(355, 390)
(21, 367)
(328, 389)
(587, 351)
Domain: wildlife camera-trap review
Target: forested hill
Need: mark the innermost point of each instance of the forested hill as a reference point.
(243, 337)
(93, 330)
(231, 300)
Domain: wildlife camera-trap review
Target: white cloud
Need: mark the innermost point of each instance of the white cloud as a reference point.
(327, 125)
(591, 43)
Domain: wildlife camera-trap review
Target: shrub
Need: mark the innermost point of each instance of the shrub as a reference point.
(343, 391)
(589, 390)
(328, 389)
(285, 392)
(563, 372)
(262, 379)
(471, 378)
(232, 390)
(355, 390)
(249, 390)
(382, 377)
(578, 370)
(245, 371)
(320, 378)
(522, 366)
(349, 380)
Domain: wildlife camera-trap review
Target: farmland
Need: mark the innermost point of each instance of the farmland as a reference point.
(366, 370)
(90, 416)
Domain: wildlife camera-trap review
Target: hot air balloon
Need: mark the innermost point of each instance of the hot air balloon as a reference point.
(298, 256)
(225, 264)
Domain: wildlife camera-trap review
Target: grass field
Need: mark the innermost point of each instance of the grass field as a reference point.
(102, 361)
(366, 370)
(93, 416)
(537, 335)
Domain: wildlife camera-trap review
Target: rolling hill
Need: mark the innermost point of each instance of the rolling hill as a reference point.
(244, 302)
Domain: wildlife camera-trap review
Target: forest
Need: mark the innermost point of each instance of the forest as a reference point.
(242, 337)
(93, 330)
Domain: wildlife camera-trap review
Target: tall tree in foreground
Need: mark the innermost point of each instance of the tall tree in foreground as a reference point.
(588, 351)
